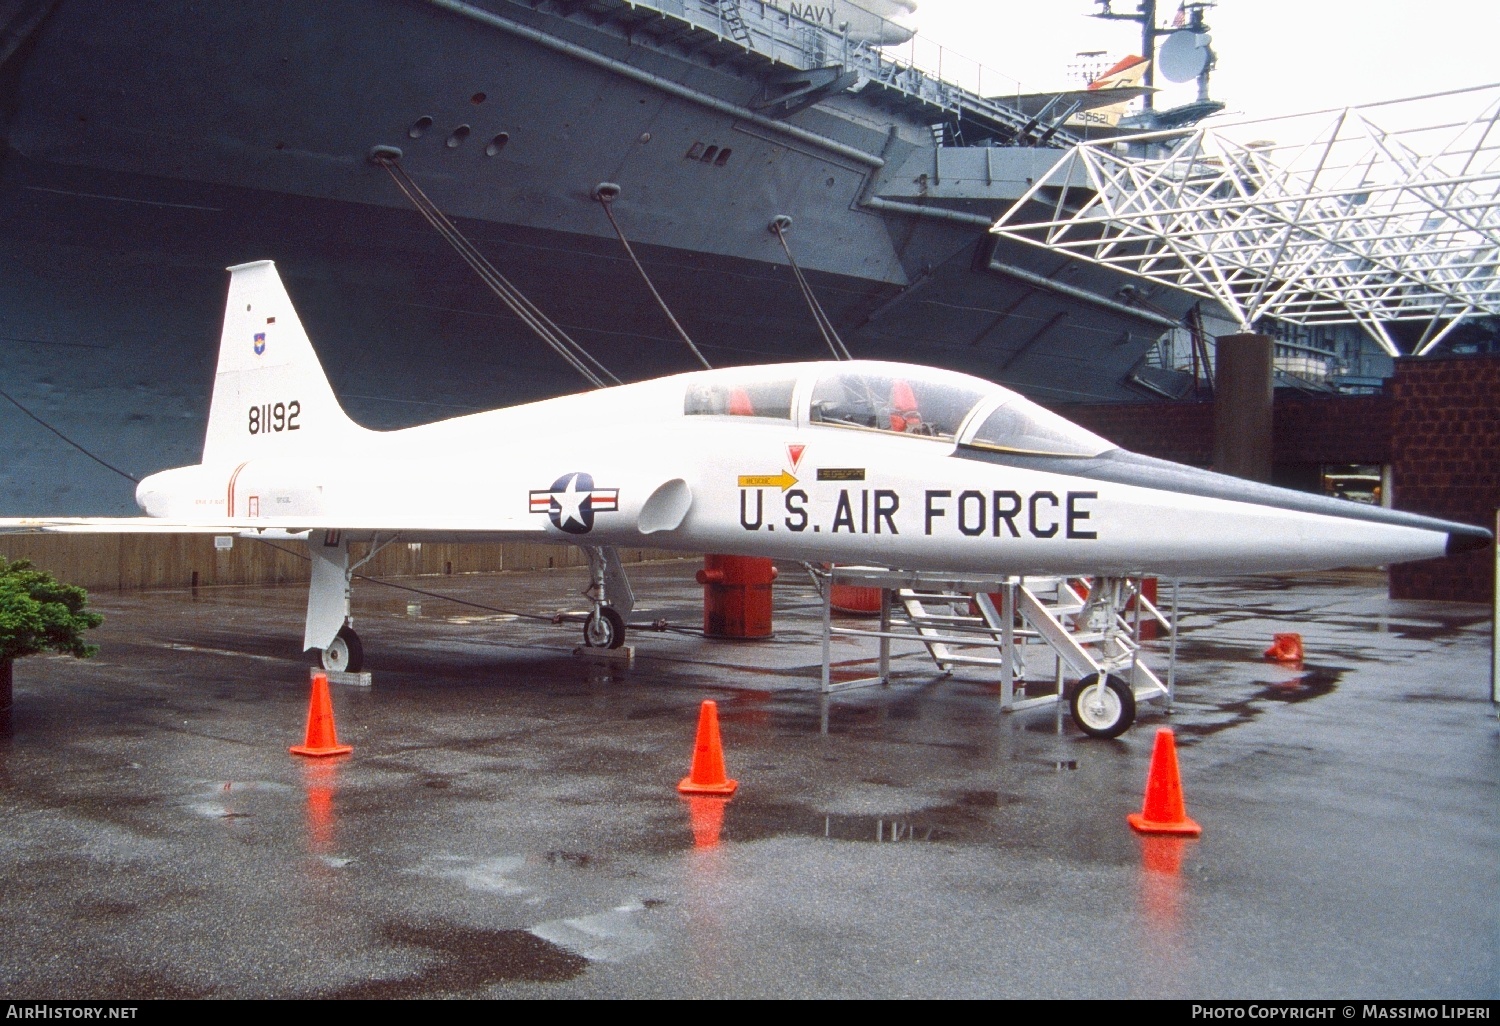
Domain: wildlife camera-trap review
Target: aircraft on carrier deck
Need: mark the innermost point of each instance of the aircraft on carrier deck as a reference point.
(908, 467)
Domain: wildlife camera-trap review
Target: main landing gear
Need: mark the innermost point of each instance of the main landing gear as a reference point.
(329, 631)
(346, 654)
(605, 628)
(609, 591)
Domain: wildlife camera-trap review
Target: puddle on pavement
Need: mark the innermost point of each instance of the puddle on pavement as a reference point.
(1409, 629)
(1447, 699)
(882, 829)
(1427, 632)
(468, 959)
(106, 909)
(652, 712)
(147, 985)
(965, 820)
(496, 875)
(610, 936)
(1313, 682)
(1198, 653)
(986, 799)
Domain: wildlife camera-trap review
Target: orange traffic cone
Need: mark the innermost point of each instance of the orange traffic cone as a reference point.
(1164, 812)
(707, 776)
(1285, 648)
(321, 738)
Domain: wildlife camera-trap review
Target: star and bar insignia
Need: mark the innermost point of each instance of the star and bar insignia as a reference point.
(573, 500)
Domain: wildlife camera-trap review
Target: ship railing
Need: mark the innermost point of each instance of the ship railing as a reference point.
(932, 79)
(805, 35)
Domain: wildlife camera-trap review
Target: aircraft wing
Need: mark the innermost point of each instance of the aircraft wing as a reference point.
(280, 527)
(107, 525)
(1173, 117)
(1032, 104)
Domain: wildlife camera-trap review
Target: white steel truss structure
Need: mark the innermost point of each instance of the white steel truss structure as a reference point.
(1364, 215)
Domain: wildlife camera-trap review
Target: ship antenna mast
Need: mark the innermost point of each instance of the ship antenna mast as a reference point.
(1145, 13)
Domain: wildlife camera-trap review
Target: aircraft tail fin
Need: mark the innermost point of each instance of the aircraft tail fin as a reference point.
(1126, 74)
(1130, 71)
(271, 396)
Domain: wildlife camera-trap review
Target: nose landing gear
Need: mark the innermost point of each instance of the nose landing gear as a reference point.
(1103, 708)
(605, 626)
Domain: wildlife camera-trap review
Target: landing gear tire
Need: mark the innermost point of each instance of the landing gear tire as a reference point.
(1106, 711)
(604, 628)
(346, 654)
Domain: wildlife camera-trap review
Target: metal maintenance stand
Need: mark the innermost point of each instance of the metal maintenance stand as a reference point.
(1091, 627)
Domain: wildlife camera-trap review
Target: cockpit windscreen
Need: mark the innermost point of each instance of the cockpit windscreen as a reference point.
(889, 402)
(1022, 426)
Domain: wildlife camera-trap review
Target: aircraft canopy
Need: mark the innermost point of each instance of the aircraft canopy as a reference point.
(743, 394)
(894, 400)
(919, 401)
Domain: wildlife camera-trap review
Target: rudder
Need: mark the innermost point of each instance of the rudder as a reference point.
(271, 396)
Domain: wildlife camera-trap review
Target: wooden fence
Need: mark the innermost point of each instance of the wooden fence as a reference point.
(130, 562)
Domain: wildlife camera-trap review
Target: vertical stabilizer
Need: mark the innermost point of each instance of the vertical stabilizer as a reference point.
(1126, 74)
(271, 397)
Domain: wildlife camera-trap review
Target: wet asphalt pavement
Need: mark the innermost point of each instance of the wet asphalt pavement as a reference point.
(508, 823)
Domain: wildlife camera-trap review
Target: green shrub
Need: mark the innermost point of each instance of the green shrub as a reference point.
(38, 614)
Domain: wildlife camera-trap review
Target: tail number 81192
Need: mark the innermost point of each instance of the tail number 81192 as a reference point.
(275, 417)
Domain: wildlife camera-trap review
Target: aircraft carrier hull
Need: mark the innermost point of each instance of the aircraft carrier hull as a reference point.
(148, 146)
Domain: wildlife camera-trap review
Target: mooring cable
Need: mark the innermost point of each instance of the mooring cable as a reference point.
(548, 330)
(606, 193)
(529, 313)
(659, 626)
(108, 466)
(779, 226)
(402, 587)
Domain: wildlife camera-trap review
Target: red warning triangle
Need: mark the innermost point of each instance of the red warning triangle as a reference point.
(794, 453)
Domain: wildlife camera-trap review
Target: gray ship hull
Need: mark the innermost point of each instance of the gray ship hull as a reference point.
(151, 145)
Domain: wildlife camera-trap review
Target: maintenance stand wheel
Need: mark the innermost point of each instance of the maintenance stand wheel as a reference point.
(604, 628)
(346, 654)
(1103, 711)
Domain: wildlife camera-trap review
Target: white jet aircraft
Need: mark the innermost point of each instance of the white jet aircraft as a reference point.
(860, 462)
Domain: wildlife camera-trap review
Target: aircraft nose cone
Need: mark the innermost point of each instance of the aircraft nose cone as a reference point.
(1468, 539)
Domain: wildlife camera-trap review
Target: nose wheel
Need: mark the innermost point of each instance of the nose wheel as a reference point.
(1103, 708)
(346, 654)
(605, 628)
(608, 592)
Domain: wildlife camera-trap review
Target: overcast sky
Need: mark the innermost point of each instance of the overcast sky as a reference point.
(1275, 56)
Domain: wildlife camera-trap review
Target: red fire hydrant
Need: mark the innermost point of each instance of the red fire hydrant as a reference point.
(737, 596)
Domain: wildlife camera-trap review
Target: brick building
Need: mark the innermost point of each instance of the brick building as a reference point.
(1437, 428)
(1445, 454)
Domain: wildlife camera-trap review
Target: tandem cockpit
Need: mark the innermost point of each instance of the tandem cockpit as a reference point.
(890, 398)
